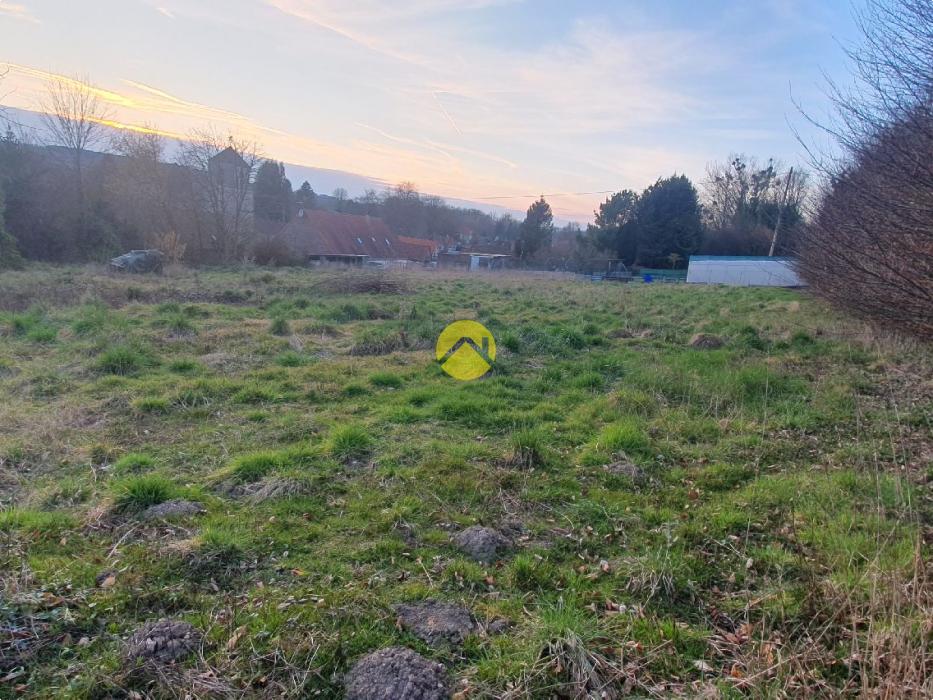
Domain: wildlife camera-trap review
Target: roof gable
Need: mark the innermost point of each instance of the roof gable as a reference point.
(229, 156)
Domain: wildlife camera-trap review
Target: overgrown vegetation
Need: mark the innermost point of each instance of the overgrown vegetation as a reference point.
(750, 520)
(868, 249)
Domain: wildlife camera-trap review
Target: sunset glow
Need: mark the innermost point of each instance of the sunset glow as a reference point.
(430, 92)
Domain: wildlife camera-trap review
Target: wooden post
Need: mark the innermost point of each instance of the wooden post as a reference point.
(777, 224)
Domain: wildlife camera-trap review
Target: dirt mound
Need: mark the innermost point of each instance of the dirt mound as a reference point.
(483, 544)
(163, 642)
(395, 673)
(625, 467)
(705, 341)
(172, 509)
(437, 623)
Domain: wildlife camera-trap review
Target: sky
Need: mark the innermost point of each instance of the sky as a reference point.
(494, 101)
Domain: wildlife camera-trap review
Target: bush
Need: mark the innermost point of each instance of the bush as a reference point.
(868, 248)
(274, 252)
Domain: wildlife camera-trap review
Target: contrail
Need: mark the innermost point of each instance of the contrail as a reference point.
(447, 114)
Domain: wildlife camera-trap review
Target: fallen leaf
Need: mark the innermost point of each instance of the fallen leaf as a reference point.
(236, 637)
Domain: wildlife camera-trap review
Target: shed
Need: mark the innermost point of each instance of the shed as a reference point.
(743, 271)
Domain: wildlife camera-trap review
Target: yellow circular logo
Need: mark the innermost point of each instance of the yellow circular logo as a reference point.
(466, 350)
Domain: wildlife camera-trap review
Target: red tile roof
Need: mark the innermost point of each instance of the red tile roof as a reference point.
(316, 232)
(321, 233)
(419, 248)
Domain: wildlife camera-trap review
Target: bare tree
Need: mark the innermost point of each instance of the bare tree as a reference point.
(744, 201)
(341, 195)
(140, 187)
(75, 117)
(870, 248)
(221, 173)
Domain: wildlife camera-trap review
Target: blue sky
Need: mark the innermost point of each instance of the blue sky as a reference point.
(466, 98)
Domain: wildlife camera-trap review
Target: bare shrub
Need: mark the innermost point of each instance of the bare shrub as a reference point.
(869, 249)
(274, 251)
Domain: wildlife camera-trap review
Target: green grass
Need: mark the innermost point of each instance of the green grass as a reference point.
(350, 442)
(253, 467)
(133, 462)
(141, 492)
(386, 380)
(780, 480)
(529, 448)
(123, 360)
(279, 326)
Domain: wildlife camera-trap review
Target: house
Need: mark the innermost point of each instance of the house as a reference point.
(230, 178)
(319, 236)
(419, 249)
(743, 271)
(491, 257)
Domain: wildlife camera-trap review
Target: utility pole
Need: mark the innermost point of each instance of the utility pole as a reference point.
(777, 224)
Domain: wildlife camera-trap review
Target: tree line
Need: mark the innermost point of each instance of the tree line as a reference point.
(743, 208)
(93, 192)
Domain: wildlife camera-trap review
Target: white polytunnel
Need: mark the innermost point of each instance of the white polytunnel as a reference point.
(743, 271)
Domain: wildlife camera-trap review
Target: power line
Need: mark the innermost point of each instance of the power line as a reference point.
(553, 194)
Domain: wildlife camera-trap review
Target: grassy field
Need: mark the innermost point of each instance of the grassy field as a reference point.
(745, 521)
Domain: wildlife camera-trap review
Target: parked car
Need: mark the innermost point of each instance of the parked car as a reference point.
(139, 261)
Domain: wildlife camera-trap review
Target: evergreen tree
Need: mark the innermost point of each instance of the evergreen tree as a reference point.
(305, 197)
(668, 217)
(272, 192)
(536, 230)
(615, 229)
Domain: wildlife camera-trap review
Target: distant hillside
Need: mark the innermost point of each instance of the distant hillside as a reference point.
(323, 180)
